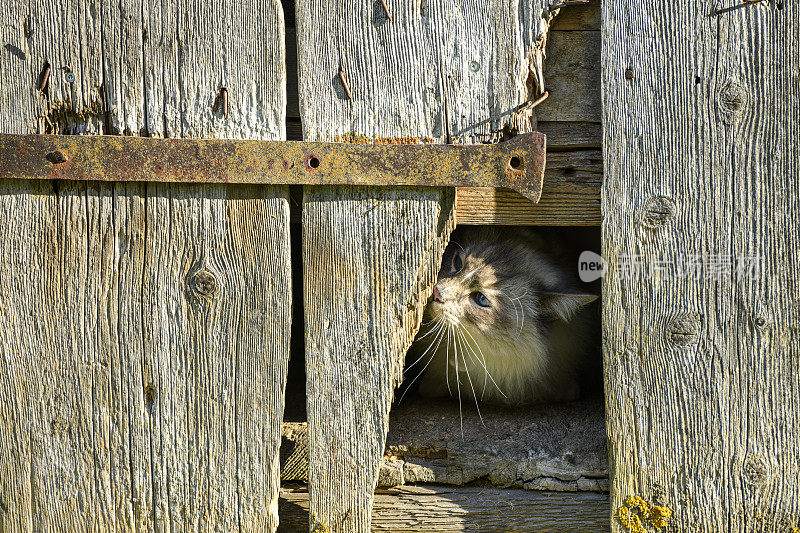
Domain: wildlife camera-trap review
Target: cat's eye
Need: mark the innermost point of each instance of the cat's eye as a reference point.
(457, 264)
(480, 299)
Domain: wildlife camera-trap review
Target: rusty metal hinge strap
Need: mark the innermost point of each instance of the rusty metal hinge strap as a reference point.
(516, 164)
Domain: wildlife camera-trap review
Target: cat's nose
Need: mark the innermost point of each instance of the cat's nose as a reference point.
(437, 297)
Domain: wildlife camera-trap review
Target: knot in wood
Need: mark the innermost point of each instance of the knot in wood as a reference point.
(684, 330)
(658, 210)
(755, 471)
(761, 316)
(732, 99)
(204, 282)
(149, 395)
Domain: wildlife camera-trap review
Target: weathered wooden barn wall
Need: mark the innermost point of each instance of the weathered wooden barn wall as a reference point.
(450, 71)
(701, 119)
(144, 329)
(570, 118)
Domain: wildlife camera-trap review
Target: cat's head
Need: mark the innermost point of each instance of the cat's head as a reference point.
(502, 283)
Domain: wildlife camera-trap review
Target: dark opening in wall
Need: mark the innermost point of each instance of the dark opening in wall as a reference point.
(541, 445)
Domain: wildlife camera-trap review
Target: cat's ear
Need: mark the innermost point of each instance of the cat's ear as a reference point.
(562, 305)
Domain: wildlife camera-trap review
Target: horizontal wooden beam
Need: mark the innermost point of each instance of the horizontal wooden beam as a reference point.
(549, 447)
(450, 509)
(570, 196)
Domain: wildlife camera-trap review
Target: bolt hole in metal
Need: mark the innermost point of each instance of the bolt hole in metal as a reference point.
(313, 162)
(56, 157)
(515, 163)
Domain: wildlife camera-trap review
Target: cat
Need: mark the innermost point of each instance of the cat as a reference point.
(505, 324)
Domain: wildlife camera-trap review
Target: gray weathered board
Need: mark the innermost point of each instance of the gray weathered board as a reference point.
(702, 153)
(144, 329)
(430, 509)
(450, 70)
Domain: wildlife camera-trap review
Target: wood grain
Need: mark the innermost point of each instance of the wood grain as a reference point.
(572, 70)
(371, 255)
(370, 258)
(570, 196)
(485, 509)
(143, 356)
(701, 343)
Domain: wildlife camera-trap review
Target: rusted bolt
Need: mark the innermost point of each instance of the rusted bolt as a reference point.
(684, 330)
(204, 282)
(44, 76)
(345, 85)
(56, 157)
(221, 102)
(629, 73)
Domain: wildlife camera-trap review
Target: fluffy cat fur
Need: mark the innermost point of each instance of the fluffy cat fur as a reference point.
(506, 324)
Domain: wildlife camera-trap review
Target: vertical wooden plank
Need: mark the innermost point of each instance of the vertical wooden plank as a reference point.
(55, 461)
(216, 349)
(454, 71)
(144, 330)
(229, 345)
(701, 143)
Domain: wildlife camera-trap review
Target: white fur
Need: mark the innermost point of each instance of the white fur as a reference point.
(518, 369)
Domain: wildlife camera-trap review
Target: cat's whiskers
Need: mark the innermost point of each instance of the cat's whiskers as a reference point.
(458, 383)
(483, 364)
(439, 328)
(461, 341)
(451, 318)
(435, 345)
(475, 359)
(522, 311)
(439, 323)
(447, 363)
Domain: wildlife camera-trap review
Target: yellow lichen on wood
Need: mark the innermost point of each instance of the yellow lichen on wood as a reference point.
(319, 526)
(636, 513)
